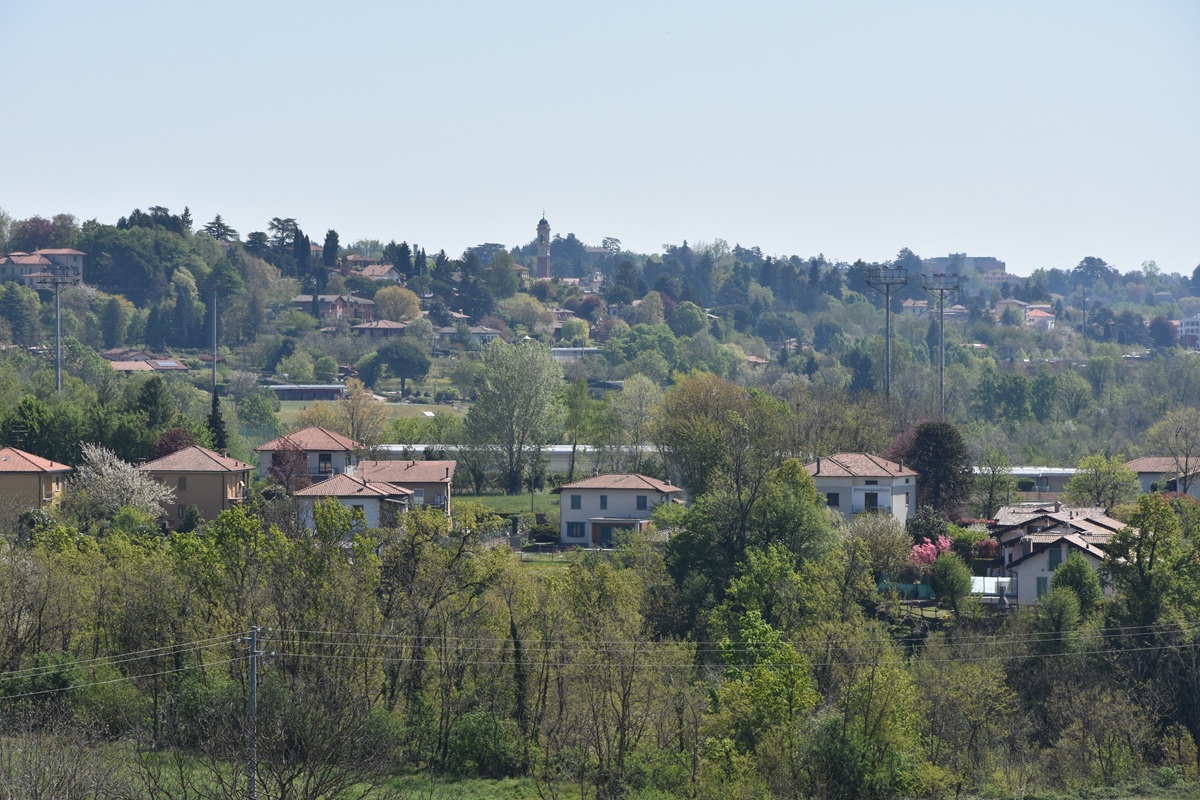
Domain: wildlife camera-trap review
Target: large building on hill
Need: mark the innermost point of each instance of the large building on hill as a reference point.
(30, 268)
(959, 263)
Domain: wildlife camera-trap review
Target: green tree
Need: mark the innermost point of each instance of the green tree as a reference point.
(1077, 575)
(502, 275)
(940, 458)
(688, 319)
(405, 359)
(1148, 563)
(216, 425)
(114, 322)
(329, 250)
(951, 579)
(517, 405)
(1178, 436)
(1101, 481)
(155, 400)
(995, 485)
(397, 304)
(219, 230)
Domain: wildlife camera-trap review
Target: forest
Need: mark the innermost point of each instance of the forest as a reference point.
(740, 648)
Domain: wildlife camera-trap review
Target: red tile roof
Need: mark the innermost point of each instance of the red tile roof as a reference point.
(14, 460)
(343, 485)
(313, 438)
(857, 465)
(622, 481)
(195, 459)
(407, 471)
(58, 251)
(1162, 465)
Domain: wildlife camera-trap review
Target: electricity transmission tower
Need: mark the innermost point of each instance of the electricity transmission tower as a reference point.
(941, 285)
(886, 280)
(59, 276)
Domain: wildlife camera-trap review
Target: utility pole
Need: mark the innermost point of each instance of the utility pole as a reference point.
(58, 277)
(252, 718)
(886, 280)
(940, 285)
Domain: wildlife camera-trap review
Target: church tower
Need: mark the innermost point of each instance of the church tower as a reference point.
(543, 249)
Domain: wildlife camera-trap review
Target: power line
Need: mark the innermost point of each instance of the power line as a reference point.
(123, 678)
(121, 658)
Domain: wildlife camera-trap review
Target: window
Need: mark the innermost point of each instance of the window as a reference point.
(603, 502)
(872, 483)
(871, 501)
(576, 502)
(1055, 554)
(181, 511)
(575, 530)
(325, 463)
(418, 497)
(832, 499)
(1043, 585)
(642, 505)
(359, 510)
(182, 483)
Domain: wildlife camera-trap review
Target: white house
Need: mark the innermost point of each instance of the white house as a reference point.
(1031, 573)
(590, 510)
(378, 501)
(856, 482)
(1159, 473)
(326, 453)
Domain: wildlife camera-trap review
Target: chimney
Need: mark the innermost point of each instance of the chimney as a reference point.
(1057, 506)
(447, 473)
(818, 465)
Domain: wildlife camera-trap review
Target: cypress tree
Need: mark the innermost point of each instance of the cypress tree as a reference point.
(216, 425)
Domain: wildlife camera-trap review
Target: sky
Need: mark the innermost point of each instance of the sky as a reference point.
(1035, 132)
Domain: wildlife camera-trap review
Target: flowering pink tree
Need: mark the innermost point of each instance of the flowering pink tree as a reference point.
(925, 553)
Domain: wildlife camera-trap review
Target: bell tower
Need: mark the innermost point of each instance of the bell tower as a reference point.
(543, 248)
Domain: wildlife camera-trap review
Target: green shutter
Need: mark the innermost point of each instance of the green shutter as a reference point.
(1043, 586)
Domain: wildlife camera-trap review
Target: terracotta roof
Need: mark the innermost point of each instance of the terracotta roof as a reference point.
(58, 251)
(195, 459)
(1077, 542)
(630, 481)
(313, 438)
(27, 259)
(857, 465)
(1161, 465)
(14, 460)
(377, 270)
(132, 366)
(343, 485)
(407, 471)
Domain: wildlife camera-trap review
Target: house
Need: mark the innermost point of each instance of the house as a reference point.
(1159, 473)
(1039, 319)
(380, 502)
(591, 509)
(384, 273)
(29, 268)
(1189, 332)
(1001, 306)
(918, 308)
(210, 481)
(338, 306)
(1031, 573)
(481, 335)
(30, 481)
(428, 481)
(1023, 537)
(379, 329)
(326, 453)
(856, 482)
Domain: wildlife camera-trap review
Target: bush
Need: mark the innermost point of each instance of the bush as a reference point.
(486, 745)
(543, 534)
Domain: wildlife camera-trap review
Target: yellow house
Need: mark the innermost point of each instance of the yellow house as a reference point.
(209, 481)
(29, 480)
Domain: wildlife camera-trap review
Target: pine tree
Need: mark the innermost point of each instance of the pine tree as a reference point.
(216, 425)
(329, 251)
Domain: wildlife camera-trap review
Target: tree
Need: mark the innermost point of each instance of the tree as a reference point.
(361, 417)
(1178, 435)
(688, 319)
(951, 579)
(994, 482)
(220, 231)
(397, 304)
(289, 465)
(1147, 561)
(502, 275)
(155, 400)
(216, 425)
(517, 407)
(1077, 575)
(939, 456)
(329, 250)
(103, 484)
(173, 441)
(406, 360)
(1100, 481)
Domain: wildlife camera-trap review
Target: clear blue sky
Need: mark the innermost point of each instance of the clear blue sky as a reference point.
(1037, 132)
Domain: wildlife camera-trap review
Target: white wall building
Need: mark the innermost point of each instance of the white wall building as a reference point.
(853, 483)
(591, 510)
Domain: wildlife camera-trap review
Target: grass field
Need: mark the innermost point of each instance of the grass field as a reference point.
(543, 502)
(289, 410)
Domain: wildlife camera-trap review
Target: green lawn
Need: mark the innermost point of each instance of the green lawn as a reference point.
(289, 410)
(543, 502)
(467, 789)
